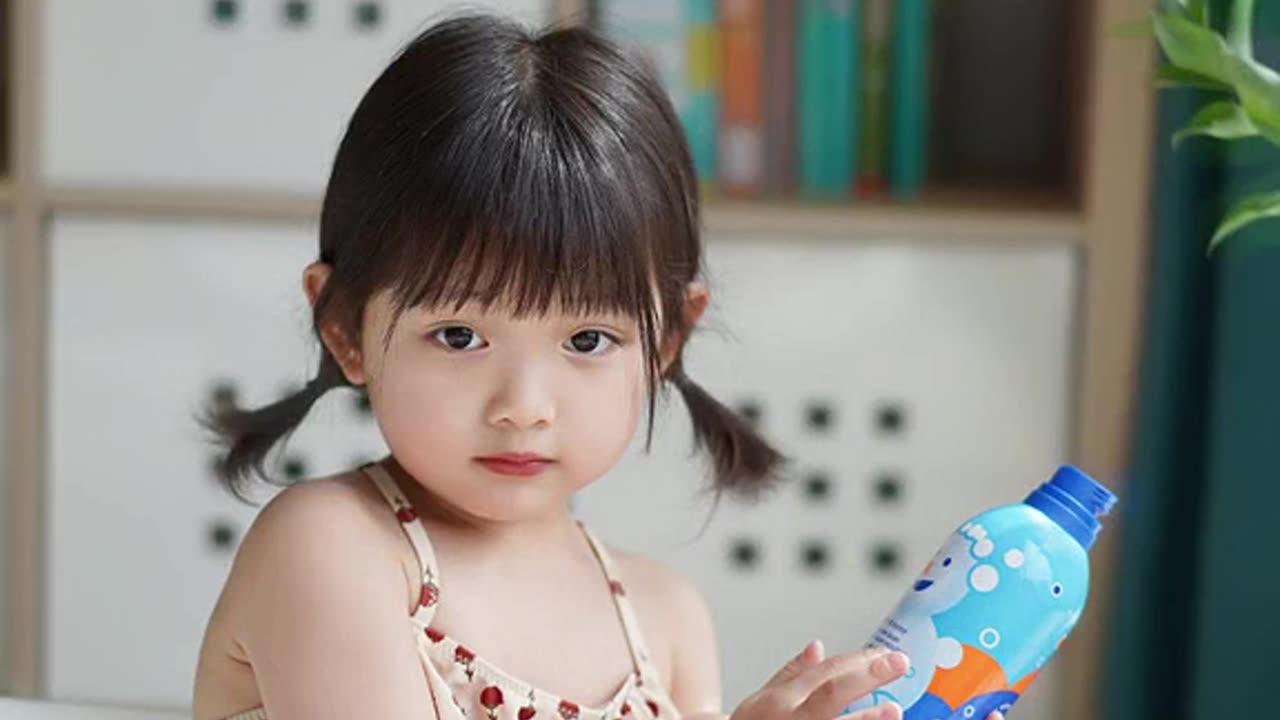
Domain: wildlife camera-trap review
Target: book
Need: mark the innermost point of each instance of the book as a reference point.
(908, 152)
(702, 113)
(828, 72)
(779, 96)
(872, 146)
(742, 88)
(654, 30)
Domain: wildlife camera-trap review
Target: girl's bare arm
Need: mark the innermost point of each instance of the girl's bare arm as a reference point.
(320, 608)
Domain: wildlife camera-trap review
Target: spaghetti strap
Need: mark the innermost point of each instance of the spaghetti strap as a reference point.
(640, 655)
(429, 595)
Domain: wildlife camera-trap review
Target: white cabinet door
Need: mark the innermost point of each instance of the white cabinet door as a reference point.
(148, 320)
(913, 386)
(218, 93)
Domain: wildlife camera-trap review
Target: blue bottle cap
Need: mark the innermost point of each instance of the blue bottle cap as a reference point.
(1074, 500)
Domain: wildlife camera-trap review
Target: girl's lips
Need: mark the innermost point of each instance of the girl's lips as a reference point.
(517, 457)
(518, 464)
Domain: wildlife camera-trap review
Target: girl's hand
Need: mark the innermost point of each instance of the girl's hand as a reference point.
(812, 688)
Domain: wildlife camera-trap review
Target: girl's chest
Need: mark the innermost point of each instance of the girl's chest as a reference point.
(573, 648)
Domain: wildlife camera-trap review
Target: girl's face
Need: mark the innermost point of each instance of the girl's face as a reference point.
(465, 399)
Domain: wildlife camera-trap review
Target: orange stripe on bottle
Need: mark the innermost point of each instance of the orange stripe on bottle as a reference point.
(977, 674)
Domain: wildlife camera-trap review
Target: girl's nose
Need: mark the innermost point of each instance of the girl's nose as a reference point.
(523, 399)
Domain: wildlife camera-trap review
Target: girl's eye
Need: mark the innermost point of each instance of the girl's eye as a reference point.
(457, 337)
(591, 342)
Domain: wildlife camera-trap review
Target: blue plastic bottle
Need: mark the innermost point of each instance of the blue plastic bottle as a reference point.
(993, 605)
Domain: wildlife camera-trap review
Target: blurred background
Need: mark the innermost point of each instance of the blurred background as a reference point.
(950, 245)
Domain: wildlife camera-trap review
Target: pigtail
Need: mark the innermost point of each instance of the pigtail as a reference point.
(744, 462)
(247, 436)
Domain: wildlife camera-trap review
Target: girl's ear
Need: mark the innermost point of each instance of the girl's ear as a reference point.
(344, 348)
(696, 297)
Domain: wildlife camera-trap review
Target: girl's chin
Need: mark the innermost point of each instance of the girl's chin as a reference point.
(518, 504)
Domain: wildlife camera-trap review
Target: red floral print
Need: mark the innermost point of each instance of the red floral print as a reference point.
(491, 699)
(466, 659)
(528, 711)
(430, 594)
(568, 710)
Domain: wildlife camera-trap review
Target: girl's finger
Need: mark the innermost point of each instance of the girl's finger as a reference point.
(811, 655)
(803, 683)
(995, 715)
(800, 685)
(887, 711)
(824, 691)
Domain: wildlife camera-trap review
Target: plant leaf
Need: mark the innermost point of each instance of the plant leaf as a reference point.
(1249, 210)
(1259, 89)
(1221, 119)
(1240, 28)
(1171, 76)
(1197, 11)
(1193, 47)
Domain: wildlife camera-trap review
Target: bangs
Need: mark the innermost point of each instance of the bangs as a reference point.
(541, 191)
(529, 235)
(531, 172)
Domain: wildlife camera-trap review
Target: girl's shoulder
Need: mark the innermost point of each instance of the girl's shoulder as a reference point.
(333, 525)
(326, 554)
(648, 579)
(672, 613)
(311, 537)
(348, 497)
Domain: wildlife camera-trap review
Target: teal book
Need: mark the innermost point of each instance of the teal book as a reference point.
(828, 79)
(653, 30)
(701, 116)
(908, 144)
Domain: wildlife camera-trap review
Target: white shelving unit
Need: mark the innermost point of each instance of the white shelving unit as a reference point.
(169, 173)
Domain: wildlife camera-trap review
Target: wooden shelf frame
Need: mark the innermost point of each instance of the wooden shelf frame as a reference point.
(990, 218)
(1110, 228)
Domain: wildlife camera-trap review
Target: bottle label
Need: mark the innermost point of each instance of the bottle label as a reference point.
(982, 618)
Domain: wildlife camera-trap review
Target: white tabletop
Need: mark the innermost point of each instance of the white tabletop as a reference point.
(15, 709)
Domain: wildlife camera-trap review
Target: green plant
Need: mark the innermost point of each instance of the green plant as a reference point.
(1249, 102)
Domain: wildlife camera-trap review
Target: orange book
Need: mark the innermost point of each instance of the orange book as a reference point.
(742, 88)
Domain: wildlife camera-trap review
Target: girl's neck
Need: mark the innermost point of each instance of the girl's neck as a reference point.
(483, 536)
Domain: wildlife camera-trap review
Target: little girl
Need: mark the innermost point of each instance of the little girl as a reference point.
(509, 266)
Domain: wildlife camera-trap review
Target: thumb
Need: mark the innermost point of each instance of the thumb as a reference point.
(812, 654)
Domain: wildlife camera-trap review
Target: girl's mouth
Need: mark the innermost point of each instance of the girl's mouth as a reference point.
(517, 464)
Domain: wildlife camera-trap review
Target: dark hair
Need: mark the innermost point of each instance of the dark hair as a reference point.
(533, 168)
